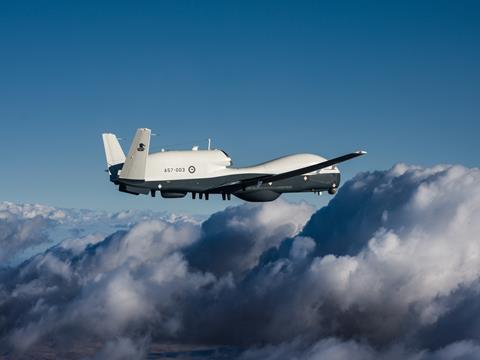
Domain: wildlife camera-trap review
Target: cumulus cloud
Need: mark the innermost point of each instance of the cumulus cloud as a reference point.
(234, 239)
(23, 227)
(389, 269)
(27, 229)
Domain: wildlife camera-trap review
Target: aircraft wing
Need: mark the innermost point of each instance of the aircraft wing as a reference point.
(258, 180)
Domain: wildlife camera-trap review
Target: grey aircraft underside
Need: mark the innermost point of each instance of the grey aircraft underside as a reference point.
(203, 172)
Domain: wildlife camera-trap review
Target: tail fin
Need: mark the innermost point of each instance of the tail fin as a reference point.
(136, 161)
(113, 150)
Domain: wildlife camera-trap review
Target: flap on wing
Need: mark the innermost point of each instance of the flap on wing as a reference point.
(241, 184)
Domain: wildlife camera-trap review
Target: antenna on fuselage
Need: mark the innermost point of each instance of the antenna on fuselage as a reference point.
(209, 143)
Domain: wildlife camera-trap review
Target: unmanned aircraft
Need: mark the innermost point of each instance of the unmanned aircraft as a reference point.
(174, 174)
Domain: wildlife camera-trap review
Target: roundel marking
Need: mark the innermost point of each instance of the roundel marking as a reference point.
(191, 169)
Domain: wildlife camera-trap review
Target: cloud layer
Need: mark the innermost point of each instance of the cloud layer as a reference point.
(389, 269)
(23, 227)
(26, 229)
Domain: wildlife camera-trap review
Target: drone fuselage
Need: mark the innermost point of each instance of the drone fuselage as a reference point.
(174, 174)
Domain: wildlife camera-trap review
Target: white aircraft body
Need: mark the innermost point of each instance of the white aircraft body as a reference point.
(205, 172)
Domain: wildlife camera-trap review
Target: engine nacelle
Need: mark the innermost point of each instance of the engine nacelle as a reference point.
(257, 195)
(134, 190)
(172, 195)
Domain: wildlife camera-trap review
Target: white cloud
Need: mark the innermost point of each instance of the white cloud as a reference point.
(28, 229)
(234, 239)
(389, 269)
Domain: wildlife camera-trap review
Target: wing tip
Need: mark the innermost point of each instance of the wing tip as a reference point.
(360, 152)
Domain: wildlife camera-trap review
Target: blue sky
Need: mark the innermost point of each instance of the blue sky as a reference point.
(400, 79)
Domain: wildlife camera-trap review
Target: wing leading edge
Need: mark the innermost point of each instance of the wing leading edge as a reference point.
(258, 180)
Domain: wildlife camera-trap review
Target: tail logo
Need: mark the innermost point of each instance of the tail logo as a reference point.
(141, 147)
